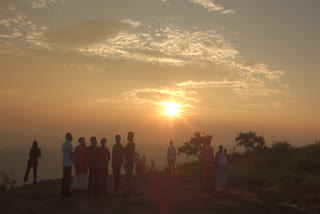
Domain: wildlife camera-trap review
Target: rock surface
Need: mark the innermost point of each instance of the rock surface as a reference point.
(153, 195)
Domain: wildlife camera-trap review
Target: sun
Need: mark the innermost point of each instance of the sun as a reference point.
(171, 109)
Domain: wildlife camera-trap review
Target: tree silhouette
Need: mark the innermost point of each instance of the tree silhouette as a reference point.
(194, 145)
(250, 141)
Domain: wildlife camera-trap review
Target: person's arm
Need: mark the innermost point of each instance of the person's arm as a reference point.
(108, 155)
(39, 153)
(71, 150)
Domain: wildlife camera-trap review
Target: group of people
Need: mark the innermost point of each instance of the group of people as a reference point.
(91, 165)
(220, 160)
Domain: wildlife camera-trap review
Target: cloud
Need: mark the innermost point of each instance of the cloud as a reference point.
(174, 46)
(211, 6)
(86, 33)
(46, 3)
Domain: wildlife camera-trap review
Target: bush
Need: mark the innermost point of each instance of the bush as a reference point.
(7, 182)
(281, 146)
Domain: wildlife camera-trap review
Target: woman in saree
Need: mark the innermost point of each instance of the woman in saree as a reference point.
(80, 183)
(221, 170)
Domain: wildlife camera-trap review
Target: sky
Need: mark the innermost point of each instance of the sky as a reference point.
(106, 67)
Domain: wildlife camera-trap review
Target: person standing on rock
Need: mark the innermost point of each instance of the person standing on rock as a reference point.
(117, 159)
(93, 156)
(221, 169)
(68, 159)
(130, 153)
(207, 161)
(171, 158)
(103, 167)
(80, 183)
(34, 155)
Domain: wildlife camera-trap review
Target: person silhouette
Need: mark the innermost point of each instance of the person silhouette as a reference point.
(103, 167)
(117, 159)
(80, 183)
(171, 157)
(34, 155)
(68, 159)
(93, 156)
(221, 170)
(207, 161)
(130, 154)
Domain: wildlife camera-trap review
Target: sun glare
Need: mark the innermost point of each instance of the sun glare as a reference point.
(172, 109)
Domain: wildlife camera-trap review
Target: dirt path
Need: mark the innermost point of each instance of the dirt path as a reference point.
(153, 195)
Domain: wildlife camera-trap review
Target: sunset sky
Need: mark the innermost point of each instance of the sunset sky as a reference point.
(102, 67)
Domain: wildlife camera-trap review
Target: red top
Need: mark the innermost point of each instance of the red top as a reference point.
(80, 162)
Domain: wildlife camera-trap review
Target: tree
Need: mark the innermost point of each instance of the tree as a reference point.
(250, 141)
(281, 146)
(194, 145)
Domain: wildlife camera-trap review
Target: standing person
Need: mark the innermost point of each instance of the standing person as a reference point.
(221, 166)
(171, 157)
(34, 155)
(130, 153)
(207, 161)
(103, 169)
(93, 156)
(68, 159)
(117, 159)
(80, 183)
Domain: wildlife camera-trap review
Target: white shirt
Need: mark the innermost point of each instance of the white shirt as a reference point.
(172, 153)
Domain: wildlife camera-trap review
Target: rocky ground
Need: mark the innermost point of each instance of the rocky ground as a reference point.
(153, 195)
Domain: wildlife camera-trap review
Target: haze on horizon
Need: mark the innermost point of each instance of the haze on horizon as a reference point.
(102, 67)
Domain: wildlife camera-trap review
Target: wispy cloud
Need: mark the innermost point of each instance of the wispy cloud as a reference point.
(212, 6)
(171, 45)
(46, 3)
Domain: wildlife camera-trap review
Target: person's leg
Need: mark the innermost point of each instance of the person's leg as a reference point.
(68, 180)
(129, 171)
(116, 177)
(35, 168)
(173, 167)
(169, 164)
(206, 180)
(90, 183)
(26, 175)
(63, 182)
(96, 182)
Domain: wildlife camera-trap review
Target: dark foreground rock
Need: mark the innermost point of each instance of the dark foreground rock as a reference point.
(153, 195)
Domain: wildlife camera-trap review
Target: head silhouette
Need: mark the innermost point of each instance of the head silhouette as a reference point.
(118, 138)
(130, 136)
(171, 142)
(35, 143)
(81, 140)
(103, 141)
(93, 141)
(221, 148)
(69, 136)
(208, 139)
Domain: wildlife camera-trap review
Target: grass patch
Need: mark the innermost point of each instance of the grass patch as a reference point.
(295, 169)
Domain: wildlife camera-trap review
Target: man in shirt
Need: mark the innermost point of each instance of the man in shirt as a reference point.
(67, 154)
(93, 156)
(130, 154)
(117, 159)
(171, 157)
